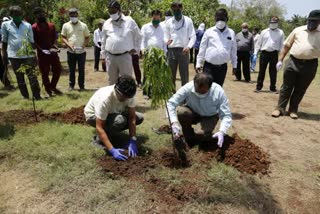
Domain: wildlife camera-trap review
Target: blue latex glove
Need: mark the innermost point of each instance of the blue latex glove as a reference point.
(220, 137)
(116, 154)
(132, 148)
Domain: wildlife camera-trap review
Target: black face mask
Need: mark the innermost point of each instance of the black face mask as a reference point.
(312, 25)
(42, 19)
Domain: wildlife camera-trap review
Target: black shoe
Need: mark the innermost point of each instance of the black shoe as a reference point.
(57, 92)
(38, 97)
(82, 89)
(257, 90)
(275, 91)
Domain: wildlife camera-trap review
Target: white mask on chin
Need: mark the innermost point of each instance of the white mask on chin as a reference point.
(115, 16)
(74, 19)
(244, 30)
(273, 26)
(201, 95)
(220, 24)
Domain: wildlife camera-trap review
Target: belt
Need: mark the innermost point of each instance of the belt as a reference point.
(303, 60)
(275, 51)
(215, 65)
(117, 54)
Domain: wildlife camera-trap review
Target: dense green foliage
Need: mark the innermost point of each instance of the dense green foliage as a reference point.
(158, 76)
(255, 12)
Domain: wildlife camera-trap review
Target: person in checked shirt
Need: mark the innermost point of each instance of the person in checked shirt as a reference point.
(121, 37)
(217, 47)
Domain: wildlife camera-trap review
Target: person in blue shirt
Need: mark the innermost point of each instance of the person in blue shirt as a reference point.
(17, 35)
(199, 35)
(205, 103)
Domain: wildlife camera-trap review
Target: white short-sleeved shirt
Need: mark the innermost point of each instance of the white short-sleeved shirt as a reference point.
(104, 102)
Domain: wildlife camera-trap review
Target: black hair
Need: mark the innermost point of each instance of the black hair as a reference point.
(114, 4)
(126, 85)
(156, 12)
(256, 29)
(168, 13)
(202, 79)
(221, 13)
(38, 10)
(176, 4)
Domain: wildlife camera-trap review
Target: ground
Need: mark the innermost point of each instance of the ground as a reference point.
(50, 167)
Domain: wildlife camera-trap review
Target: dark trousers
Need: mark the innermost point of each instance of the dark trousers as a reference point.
(187, 117)
(218, 72)
(116, 122)
(297, 76)
(266, 58)
(196, 51)
(47, 63)
(244, 59)
(34, 84)
(73, 59)
(191, 55)
(97, 51)
(175, 58)
(3, 75)
(136, 67)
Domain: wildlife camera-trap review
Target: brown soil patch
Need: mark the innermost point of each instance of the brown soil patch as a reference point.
(73, 116)
(241, 154)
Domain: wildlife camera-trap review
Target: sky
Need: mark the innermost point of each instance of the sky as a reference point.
(300, 7)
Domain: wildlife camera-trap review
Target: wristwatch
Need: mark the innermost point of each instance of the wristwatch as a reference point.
(134, 138)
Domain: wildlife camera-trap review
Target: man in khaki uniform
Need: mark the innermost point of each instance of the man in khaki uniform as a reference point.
(75, 35)
(301, 67)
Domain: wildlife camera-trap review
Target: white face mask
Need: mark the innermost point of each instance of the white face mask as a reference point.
(74, 19)
(244, 30)
(115, 16)
(273, 26)
(201, 95)
(220, 24)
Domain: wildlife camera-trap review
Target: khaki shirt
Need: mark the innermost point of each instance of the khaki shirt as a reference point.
(75, 34)
(304, 44)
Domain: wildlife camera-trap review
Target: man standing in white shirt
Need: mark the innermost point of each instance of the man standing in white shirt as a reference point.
(121, 37)
(97, 47)
(256, 36)
(270, 43)
(217, 47)
(111, 110)
(180, 38)
(152, 36)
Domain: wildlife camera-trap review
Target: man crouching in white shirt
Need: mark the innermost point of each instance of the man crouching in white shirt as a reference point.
(205, 103)
(111, 110)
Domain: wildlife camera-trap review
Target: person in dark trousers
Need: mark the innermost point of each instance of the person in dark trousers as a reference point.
(17, 34)
(199, 35)
(245, 46)
(180, 38)
(45, 38)
(136, 67)
(75, 34)
(217, 47)
(97, 47)
(303, 44)
(270, 43)
(3, 66)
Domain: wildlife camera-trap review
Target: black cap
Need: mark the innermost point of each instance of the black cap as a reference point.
(126, 85)
(314, 15)
(114, 4)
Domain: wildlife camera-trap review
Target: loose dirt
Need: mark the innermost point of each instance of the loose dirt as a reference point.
(27, 117)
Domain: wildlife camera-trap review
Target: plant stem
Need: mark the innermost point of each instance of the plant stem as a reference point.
(172, 135)
(34, 109)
